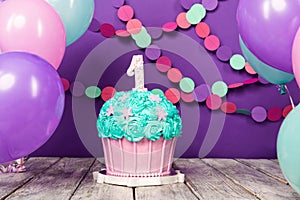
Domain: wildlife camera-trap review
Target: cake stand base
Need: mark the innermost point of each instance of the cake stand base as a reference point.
(174, 177)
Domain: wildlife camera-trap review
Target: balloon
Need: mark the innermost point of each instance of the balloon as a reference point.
(31, 103)
(32, 26)
(269, 73)
(288, 150)
(268, 28)
(76, 16)
(296, 57)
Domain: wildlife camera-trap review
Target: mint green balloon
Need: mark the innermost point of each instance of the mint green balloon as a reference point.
(76, 16)
(288, 148)
(269, 73)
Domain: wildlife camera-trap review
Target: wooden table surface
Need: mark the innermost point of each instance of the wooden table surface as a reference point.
(71, 178)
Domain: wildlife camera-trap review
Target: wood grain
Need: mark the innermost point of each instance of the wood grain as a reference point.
(208, 183)
(58, 182)
(266, 166)
(89, 189)
(262, 185)
(10, 182)
(177, 191)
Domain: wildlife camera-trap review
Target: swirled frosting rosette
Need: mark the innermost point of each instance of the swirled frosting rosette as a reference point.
(136, 115)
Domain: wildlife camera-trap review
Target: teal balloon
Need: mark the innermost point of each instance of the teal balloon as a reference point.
(288, 151)
(76, 16)
(269, 73)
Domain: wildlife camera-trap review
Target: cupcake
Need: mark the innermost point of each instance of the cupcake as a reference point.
(138, 130)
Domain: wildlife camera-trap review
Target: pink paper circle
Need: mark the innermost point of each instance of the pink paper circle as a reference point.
(169, 26)
(213, 102)
(174, 75)
(125, 13)
(211, 42)
(122, 33)
(163, 64)
(182, 21)
(250, 81)
(134, 26)
(187, 97)
(235, 85)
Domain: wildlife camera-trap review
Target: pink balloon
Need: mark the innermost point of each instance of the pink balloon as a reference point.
(32, 26)
(296, 57)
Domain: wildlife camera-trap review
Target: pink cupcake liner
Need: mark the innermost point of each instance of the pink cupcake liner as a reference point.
(145, 158)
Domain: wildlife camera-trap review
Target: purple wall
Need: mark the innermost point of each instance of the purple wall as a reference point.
(218, 135)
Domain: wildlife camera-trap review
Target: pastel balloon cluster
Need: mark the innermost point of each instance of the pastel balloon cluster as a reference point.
(267, 30)
(270, 41)
(33, 39)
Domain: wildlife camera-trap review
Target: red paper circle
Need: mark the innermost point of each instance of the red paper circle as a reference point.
(274, 114)
(107, 30)
(287, 110)
(202, 30)
(173, 95)
(249, 69)
(228, 107)
(213, 102)
(108, 92)
(66, 83)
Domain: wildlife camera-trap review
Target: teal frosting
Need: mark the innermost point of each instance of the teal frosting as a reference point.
(142, 118)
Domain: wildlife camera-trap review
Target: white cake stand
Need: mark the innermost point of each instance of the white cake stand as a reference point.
(175, 177)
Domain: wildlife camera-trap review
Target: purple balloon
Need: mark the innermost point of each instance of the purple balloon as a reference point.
(268, 29)
(31, 104)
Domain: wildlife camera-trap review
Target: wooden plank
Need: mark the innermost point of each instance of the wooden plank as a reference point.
(89, 189)
(208, 183)
(177, 191)
(262, 185)
(58, 182)
(10, 182)
(265, 166)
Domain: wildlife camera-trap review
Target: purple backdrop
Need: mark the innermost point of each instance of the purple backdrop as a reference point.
(239, 136)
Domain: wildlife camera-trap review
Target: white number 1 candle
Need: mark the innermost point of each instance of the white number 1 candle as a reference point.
(136, 68)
